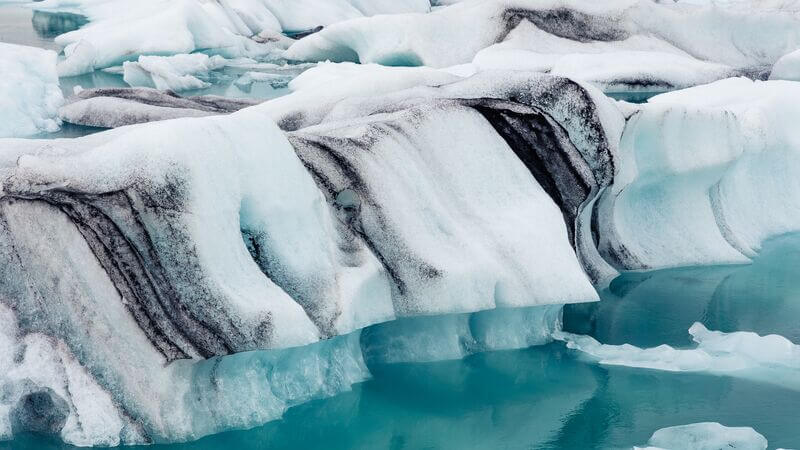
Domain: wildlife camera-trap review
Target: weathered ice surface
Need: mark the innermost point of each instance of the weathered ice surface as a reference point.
(202, 238)
(115, 107)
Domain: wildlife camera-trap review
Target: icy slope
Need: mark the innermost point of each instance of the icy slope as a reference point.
(29, 93)
(620, 45)
(704, 176)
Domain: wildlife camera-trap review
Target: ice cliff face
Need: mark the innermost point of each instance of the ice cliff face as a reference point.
(206, 237)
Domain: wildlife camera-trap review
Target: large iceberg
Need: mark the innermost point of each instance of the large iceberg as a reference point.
(29, 92)
(218, 235)
(219, 248)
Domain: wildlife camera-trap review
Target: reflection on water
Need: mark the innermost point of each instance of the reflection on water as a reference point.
(536, 398)
(48, 24)
(16, 27)
(651, 308)
(24, 26)
(69, 130)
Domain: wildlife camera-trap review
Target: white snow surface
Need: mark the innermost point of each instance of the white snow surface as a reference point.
(620, 45)
(29, 92)
(705, 436)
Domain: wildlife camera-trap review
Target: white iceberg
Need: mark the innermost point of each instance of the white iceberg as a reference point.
(116, 107)
(29, 92)
(706, 436)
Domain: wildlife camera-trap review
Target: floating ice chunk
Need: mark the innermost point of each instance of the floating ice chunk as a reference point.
(274, 79)
(176, 73)
(120, 31)
(770, 358)
(29, 92)
(787, 68)
(706, 436)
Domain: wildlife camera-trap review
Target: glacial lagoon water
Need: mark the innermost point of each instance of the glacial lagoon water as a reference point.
(547, 397)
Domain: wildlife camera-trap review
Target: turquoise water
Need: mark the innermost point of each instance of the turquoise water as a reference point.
(546, 397)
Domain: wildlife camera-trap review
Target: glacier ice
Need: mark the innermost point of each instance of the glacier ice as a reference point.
(29, 92)
(621, 45)
(120, 31)
(770, 358)
(706, 436)
(704, 176)
(115, 107)
(326, 229)
(451, 207)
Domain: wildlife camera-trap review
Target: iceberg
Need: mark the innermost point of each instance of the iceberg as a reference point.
(222, 249)
(620, 45)
(704, 176)
(706, 436)
(29, 92)
(119, 31)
